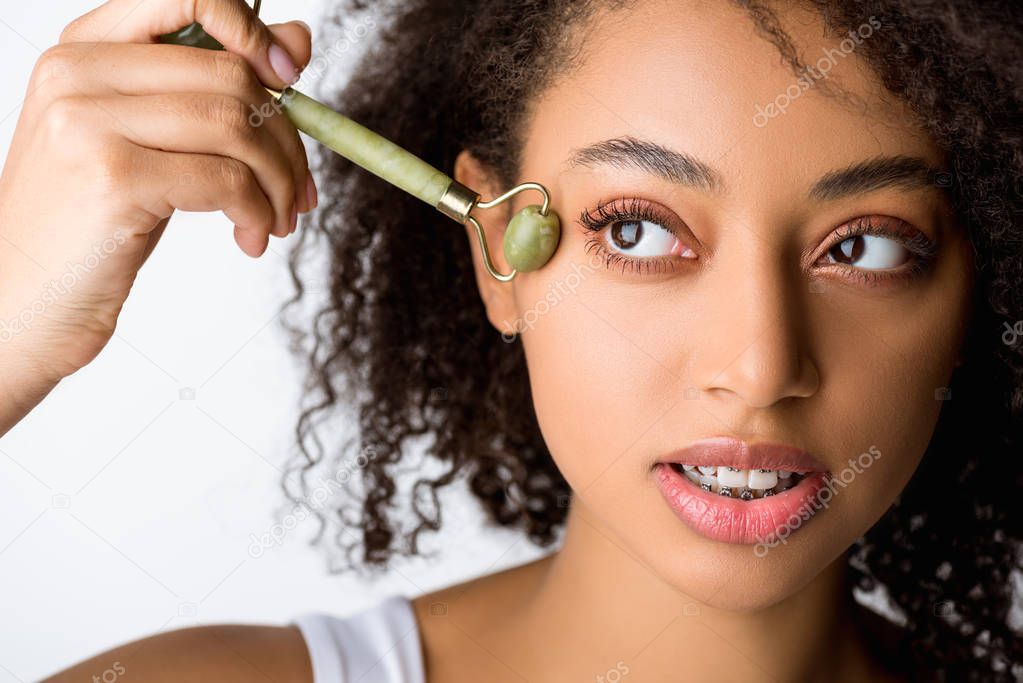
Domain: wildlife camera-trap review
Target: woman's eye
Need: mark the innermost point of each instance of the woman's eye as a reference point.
(644, 238)
(870, 252)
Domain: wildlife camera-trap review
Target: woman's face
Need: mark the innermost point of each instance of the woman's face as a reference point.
(722, 290)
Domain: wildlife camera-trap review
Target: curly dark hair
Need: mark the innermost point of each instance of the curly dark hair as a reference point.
(402, 336)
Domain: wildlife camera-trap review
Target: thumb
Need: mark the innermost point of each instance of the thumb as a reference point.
(230, 22)
(296, 38)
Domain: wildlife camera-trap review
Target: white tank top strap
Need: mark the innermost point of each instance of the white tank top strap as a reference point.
(379, 644)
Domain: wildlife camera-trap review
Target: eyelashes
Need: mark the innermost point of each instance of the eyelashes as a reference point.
(863, 237)
(633, 211)
(921, 251)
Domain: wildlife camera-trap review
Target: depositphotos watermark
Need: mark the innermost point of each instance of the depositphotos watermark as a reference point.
(1012, 333)
(317, 498)
(807, 79)
(558, 291)
(314, 70)
(616, 673)
(53, 290)
(110, 675)
(820, 499)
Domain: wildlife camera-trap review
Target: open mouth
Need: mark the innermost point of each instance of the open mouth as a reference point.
(731, 482)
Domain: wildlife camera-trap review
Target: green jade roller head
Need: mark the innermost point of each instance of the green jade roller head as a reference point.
(532, 234)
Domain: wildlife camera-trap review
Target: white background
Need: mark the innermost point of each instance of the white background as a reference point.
(126, 509)
(130, 497)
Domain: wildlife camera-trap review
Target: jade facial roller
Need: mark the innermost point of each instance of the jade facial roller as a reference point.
(533, 232)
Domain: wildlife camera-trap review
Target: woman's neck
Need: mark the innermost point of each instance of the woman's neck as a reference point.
(605, 608)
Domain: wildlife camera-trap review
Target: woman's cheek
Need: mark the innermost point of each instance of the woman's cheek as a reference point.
(591, 382)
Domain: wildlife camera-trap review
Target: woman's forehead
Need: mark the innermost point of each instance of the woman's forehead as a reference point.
(699, 77)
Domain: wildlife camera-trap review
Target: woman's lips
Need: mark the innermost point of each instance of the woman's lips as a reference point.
(732, 520)
(733, 452)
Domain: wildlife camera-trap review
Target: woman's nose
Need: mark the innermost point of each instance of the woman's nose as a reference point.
(755, 342)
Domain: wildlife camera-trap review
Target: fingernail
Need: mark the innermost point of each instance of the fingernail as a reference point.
(282, 64)
(294, 218)
(310, 190)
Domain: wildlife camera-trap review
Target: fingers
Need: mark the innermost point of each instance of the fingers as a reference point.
(261, 157)
(209, 124)
(164, 181)
(102, 70)
(295, 37)
(231, 22)
(153, 182)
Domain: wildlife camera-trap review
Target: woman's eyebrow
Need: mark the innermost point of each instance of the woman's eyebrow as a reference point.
(869, 175)
(881, 172)
(645, 155)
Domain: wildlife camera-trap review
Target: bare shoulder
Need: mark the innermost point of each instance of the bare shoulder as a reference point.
(458, 624)
(483, 594)
(224, 653)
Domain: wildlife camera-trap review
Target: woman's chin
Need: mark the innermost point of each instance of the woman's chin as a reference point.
(724, 579)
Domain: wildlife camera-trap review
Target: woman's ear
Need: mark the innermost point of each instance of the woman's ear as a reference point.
(497, 296)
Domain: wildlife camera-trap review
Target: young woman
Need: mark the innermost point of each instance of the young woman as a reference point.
(774, 359)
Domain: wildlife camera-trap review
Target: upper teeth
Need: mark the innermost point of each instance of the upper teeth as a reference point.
(733, 478)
